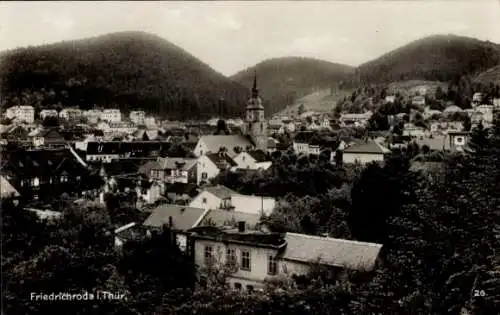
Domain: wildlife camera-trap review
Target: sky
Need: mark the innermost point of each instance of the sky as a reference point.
(231, 36)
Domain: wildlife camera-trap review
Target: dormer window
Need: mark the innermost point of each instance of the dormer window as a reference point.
(64, 179)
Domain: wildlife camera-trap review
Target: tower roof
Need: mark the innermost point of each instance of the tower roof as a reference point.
(255, 102)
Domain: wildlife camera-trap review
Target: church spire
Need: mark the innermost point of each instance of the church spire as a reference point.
(255, 91)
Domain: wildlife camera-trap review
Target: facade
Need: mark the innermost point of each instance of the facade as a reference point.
(21, 113)
(137, 117)
(365, 153)
(254, 257)
(255, 124)
(356, 120)
(111, 115)
(44, 113)
(92, 115)
(252, 160)
(71, 114)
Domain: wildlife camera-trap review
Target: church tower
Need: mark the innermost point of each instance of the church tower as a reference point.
(255, 124)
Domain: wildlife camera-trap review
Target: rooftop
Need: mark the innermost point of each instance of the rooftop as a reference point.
(331, 251)
(220, 191)
(371, 147)
(183, 217)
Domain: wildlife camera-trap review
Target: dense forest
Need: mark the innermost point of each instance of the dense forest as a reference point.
(282, 81)
(130, 70)
(490, 75)
(440, 230)
(435, 58)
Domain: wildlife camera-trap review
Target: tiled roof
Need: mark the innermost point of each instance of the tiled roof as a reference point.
(436, 143)
(7, 190)
(331, 251)
(183, 217)
(171, 163)
(370, 147)
(220, 191)
(215, 142)
(259, 156)
(221, 217)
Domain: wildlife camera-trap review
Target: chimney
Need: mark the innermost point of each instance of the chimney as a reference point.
(241, 226)
(170, 222)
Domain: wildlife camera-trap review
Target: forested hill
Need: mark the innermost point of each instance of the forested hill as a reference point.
(284, 80)
(133, 70)
(491, 75)
(435, 58)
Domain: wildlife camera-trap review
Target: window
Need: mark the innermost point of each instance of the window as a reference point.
(64, 179)
(35, 182)
(245, 261)
(237, 286)
(230, 256)
(204, 200)
(261, 127)
(208, 254)
(204, 175)
(272, 266)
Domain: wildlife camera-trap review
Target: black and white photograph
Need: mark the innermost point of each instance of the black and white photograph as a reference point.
(250, 157)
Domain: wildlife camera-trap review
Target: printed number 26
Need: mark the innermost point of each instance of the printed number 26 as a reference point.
(479, 293)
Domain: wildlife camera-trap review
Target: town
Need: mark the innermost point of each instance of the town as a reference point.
(137, 180)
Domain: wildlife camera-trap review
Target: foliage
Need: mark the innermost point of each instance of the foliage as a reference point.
(130, 70)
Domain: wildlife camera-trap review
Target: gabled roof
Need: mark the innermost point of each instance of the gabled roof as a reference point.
(171, 163)
(221, 217)
(183, 217)
(259, 156)
(371, 147)
(7, 190)
(220, 191)
(331, 251)
(215, 142)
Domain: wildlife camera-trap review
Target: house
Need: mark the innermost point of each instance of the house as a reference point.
(356, 120)
(413, 131)
(106, 151)
(458, 140)
(213, 197)
(451, 110)
(121, 127)
(272, 144)
(364, 153)
(255, 257)
(44, 113)
(48, 137)
(477, 98)
(253, 160)
(390, 99)
(171, 170)
(144, 135)
(92, 115)
(221, 197)
(418, 100)
(137, 117)
(21, 113)
(71, 114)
(206, 169)
(301, 142)
(45, 173)
(150, 122)
(111, 115)
(213, 144)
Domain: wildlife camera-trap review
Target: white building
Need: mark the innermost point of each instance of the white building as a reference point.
(71, 114)
(23, 113)
(93, 115)
(137, 117)
(365, 153)
(111, 115)
(150, 121)
(44, 113)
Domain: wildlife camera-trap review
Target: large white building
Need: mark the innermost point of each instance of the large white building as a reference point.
(137, 117)
(23, 113)
(111, 115)
(44, 113)
(71, 113)
(93, 115)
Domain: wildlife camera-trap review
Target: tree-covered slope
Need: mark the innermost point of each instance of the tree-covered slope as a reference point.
(282, 81)
(491, 75)
(131, 69)
(435, 58)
